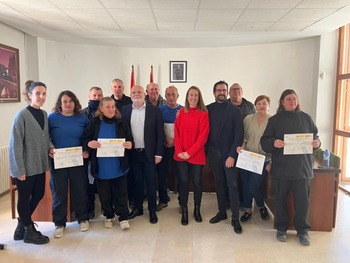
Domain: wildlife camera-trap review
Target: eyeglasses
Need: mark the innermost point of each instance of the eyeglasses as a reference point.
(221, 90)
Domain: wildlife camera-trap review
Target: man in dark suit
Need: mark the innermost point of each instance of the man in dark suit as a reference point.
(226, 134)
(148, 131)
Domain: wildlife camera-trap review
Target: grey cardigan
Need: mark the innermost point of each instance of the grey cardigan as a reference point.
(29, 145)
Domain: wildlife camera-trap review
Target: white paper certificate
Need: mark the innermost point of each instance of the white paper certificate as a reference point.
(300, 143)
(251, 161)
(68, 157)
(169, 130)
(111, 148)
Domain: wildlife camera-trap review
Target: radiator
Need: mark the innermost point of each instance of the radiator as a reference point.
(4, 169)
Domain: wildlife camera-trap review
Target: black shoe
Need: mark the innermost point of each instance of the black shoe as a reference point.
(304, 239)
(264, 213)
(218, 218)
(19, 231)
(160, 206)
(153, 219)
(31, 235)
(197, 214)
(246, 216)
(236, 226)
(184, 215)
(134, 213)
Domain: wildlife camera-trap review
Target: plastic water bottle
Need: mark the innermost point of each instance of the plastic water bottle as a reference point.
(326, 155)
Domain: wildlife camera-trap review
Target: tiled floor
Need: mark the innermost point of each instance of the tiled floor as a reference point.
(169, 241)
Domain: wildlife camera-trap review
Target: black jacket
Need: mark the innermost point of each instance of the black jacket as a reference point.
(91, 133)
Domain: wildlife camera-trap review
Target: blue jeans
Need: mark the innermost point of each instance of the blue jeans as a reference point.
(252, 187)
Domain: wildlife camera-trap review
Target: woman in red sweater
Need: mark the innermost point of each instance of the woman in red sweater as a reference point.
(191, 134)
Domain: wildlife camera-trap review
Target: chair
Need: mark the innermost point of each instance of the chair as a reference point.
(13, 189)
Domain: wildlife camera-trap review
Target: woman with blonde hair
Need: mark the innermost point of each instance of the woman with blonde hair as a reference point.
(110, 172)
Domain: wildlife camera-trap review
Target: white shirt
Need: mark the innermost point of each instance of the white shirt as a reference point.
(137, 123)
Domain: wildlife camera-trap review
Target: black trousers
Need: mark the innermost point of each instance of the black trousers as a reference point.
(77, 179)
(188, 171)
(113, 197)
(225, 179)
(301, 199)
(30, 192)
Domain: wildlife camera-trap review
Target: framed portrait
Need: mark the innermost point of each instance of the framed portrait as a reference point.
(9, 74)
(178, 71)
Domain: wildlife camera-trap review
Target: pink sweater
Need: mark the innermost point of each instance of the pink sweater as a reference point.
(190, 135)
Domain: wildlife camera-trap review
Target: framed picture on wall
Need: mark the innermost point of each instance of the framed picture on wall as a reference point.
(9, 74)
(178, 71)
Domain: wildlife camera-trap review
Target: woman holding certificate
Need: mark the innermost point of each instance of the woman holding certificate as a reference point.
(254, 127)
(191, 132)
(290, 172)
(66, 127)
(29, 148)
(110, 169)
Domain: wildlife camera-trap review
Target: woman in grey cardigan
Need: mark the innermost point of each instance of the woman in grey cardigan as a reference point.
(29, 148)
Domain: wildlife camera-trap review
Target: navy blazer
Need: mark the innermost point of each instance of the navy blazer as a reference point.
(231, 132)
(153, 130)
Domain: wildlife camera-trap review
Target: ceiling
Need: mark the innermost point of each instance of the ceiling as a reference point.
(174, 23)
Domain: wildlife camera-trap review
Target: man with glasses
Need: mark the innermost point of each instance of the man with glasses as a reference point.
(226, 134)
(236, 98)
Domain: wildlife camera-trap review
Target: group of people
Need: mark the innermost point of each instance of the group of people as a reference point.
(158, 133)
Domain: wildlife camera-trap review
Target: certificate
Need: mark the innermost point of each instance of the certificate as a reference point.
(300, 143)
(111, 148)
(169, 130)
(251, 161)
(68, 157)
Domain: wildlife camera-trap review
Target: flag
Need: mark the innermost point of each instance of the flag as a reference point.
(151, 75)
(132, 81)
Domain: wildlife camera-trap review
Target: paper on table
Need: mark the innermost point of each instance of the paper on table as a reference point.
(111, 148)
(251, 161)
(68, 157)
(299, 143)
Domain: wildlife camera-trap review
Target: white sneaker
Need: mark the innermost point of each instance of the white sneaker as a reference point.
(124, 224)
(84, 225)
(58, 232)
(109, 222)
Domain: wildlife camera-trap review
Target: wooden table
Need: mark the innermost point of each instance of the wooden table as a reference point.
(323, 199)
(43, 212)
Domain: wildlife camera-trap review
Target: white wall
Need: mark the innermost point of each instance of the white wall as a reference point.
(260, 69)
(326, 87)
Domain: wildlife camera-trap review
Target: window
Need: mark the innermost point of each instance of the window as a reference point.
(341, 140)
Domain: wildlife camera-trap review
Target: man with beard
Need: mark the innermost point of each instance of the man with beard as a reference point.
(226, 134)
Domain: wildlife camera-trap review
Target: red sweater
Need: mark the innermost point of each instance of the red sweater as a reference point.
(190, 135)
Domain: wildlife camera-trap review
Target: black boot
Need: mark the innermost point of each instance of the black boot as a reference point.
(19, 231)
(31, 235)
(184, 217)
(197, 213)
